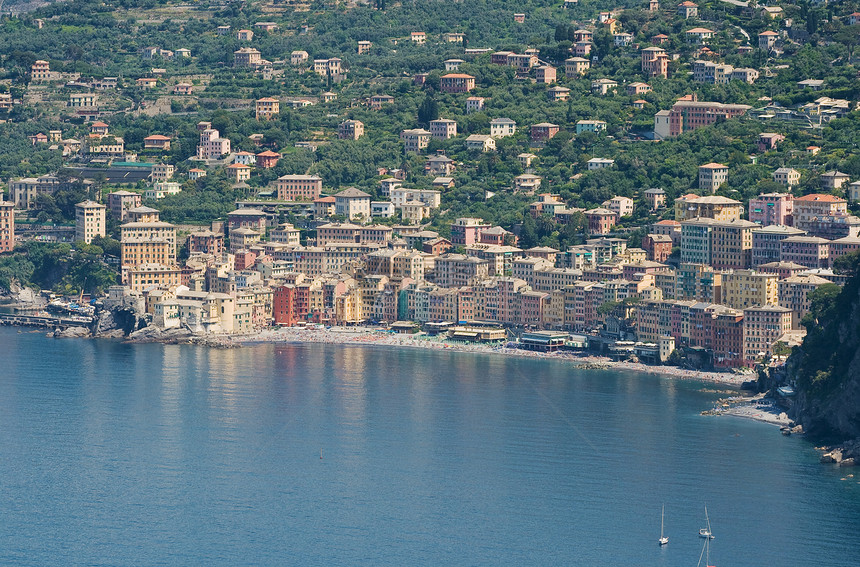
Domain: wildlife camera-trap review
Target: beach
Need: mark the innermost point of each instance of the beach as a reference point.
(367, 337)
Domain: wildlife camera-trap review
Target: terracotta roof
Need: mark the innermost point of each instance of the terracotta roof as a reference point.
(820, 197)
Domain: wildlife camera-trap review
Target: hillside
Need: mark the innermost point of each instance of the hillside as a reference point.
(826, 367)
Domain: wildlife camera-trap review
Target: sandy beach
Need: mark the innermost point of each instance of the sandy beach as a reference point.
(759, 409)
(360, 336)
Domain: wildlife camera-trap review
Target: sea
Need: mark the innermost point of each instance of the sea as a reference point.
(308, 454)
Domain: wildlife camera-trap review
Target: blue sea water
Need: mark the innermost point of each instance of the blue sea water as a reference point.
(119, 454)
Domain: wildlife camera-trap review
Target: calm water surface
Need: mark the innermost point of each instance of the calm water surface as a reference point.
(114, 454)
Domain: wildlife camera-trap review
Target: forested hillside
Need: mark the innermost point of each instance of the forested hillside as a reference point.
(96, 39)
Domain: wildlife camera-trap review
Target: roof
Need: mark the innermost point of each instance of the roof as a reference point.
(300, 177)
(807, 239)
(806, 279)
(143, 209)
(821, 198)
(157, 137)
(457, 76)
(159, 224)
(768, 33)
(352, 193)
(713, 165)
(778, 229)
(247, 213)
(700, 30)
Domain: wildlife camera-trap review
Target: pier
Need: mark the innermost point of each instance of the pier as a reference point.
(42, 321)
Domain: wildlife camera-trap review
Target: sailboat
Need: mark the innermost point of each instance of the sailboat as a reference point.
(706, 532)
(663, 539)
(706, 553)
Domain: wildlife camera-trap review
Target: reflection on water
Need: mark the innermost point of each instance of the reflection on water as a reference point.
(150, 454)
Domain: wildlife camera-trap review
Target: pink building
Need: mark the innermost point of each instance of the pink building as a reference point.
(600, 221)
(772, 208)
(655, 62)
(456, 83)
(545, 74)
(688, 114)
(119, 202)
(467, 231)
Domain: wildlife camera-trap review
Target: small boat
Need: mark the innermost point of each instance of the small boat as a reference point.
(663, 539)
(706, 532)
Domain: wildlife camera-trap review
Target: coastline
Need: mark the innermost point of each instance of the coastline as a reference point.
(364, 337)
(746, 407)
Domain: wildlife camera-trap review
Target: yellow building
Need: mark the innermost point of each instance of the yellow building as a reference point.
(152, 275)
(747, 288)
(149, 254)
(692, 206)
(89, 221)
(413, 212)
(267, 108)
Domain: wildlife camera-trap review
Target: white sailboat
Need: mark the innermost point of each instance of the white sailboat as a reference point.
(706, 553)
(663, 539)
(706, 532)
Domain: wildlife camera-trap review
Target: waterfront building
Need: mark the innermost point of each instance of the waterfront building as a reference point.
(763, 326)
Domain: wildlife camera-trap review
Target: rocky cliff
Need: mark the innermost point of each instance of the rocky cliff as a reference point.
(825, 369)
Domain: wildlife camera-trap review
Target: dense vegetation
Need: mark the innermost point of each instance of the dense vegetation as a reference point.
(115, 32)
(826, 367)
(59, 267)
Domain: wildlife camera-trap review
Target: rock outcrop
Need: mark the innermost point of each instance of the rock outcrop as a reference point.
(845, 455)
(152, 334)
(825, 369)
(71, 333)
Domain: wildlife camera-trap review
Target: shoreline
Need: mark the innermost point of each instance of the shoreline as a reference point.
(745, 407)
(362, 337)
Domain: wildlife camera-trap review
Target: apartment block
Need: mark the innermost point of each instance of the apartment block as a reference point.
(89, 221)
(772, 209)
(763, 326)
(298, 187)
(748, 288)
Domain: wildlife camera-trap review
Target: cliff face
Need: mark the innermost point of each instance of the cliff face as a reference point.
(826, 367)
